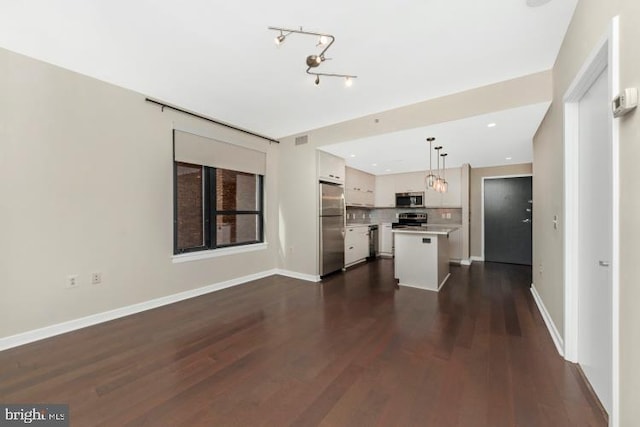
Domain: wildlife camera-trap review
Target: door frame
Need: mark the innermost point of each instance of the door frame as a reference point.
(482, 202)
(604, 55)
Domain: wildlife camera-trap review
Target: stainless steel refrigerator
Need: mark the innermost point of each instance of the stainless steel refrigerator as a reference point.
(331, 228)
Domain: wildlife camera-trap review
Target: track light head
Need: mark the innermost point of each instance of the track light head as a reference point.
(317, 80)
(348, 82)
(280, 39)
(314, 60)
(431, 139)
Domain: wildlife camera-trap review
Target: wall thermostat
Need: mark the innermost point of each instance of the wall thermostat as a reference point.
(625, 102)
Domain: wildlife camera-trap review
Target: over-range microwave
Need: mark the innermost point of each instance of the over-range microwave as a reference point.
(410, 200)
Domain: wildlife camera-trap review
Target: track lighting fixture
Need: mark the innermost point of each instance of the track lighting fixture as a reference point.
(313, 61)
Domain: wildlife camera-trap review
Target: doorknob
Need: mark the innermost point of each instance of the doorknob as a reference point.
(603, 263)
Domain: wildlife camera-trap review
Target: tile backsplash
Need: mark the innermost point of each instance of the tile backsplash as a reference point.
(434, 215)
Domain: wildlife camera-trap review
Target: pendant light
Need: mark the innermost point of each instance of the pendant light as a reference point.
(444, 186)
(438, 182)
(430, 180)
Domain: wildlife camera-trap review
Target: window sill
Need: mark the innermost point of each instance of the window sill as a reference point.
(215, 253)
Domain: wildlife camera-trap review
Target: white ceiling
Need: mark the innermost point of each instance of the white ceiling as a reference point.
(470, 140)
(218, 58)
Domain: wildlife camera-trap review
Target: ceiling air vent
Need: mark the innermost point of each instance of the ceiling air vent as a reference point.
(301, 140)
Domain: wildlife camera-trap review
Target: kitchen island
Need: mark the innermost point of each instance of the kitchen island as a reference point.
(422, 256)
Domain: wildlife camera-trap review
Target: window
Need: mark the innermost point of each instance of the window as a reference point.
(216, 208)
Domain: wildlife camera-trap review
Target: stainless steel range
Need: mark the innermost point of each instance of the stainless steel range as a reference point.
(410, 219)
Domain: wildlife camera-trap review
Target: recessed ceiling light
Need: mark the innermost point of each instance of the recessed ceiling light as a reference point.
(491, 125)
(353, 155)
(374, 164)
(387, 170)
(536, 3)
(508, 158)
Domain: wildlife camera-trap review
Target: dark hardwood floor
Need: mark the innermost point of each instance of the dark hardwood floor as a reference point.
(355, 350)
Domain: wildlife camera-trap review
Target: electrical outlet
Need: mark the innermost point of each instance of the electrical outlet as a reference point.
(72, 281)
(448, 215)
(96, 278)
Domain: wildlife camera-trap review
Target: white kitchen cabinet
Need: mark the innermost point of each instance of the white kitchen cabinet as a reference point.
(385, 245)
(331, 168)
(356, 244)
(409, 182)
(455, 245)
(360, 188)
(385, 191)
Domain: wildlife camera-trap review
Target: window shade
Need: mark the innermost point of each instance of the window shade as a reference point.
(195, 149)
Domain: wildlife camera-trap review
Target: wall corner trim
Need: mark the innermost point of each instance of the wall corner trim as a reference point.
(553, 331)
(94, 319)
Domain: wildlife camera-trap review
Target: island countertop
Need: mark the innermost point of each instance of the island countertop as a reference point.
(427, 229)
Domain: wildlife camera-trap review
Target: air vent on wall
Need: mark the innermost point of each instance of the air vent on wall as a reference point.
(300, 140)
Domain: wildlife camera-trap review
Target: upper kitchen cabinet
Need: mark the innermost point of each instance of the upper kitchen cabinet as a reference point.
(331, 168)
(360, 188)
(385, 196)
(409, 182)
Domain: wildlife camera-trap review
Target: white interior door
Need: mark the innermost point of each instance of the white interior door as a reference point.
(595, 240)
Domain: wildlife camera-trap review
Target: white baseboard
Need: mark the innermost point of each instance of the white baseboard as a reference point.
(476, 258)
(94, 319)
(296, 275)
(444, 281)
(553, 331)
(467, 261)
(427, 289)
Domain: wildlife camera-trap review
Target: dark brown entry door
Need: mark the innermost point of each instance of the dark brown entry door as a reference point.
(507, 220)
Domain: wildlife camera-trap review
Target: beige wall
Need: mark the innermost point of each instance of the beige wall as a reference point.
(630, 226)
(86, 185)
(590, 23)
(475, 203)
